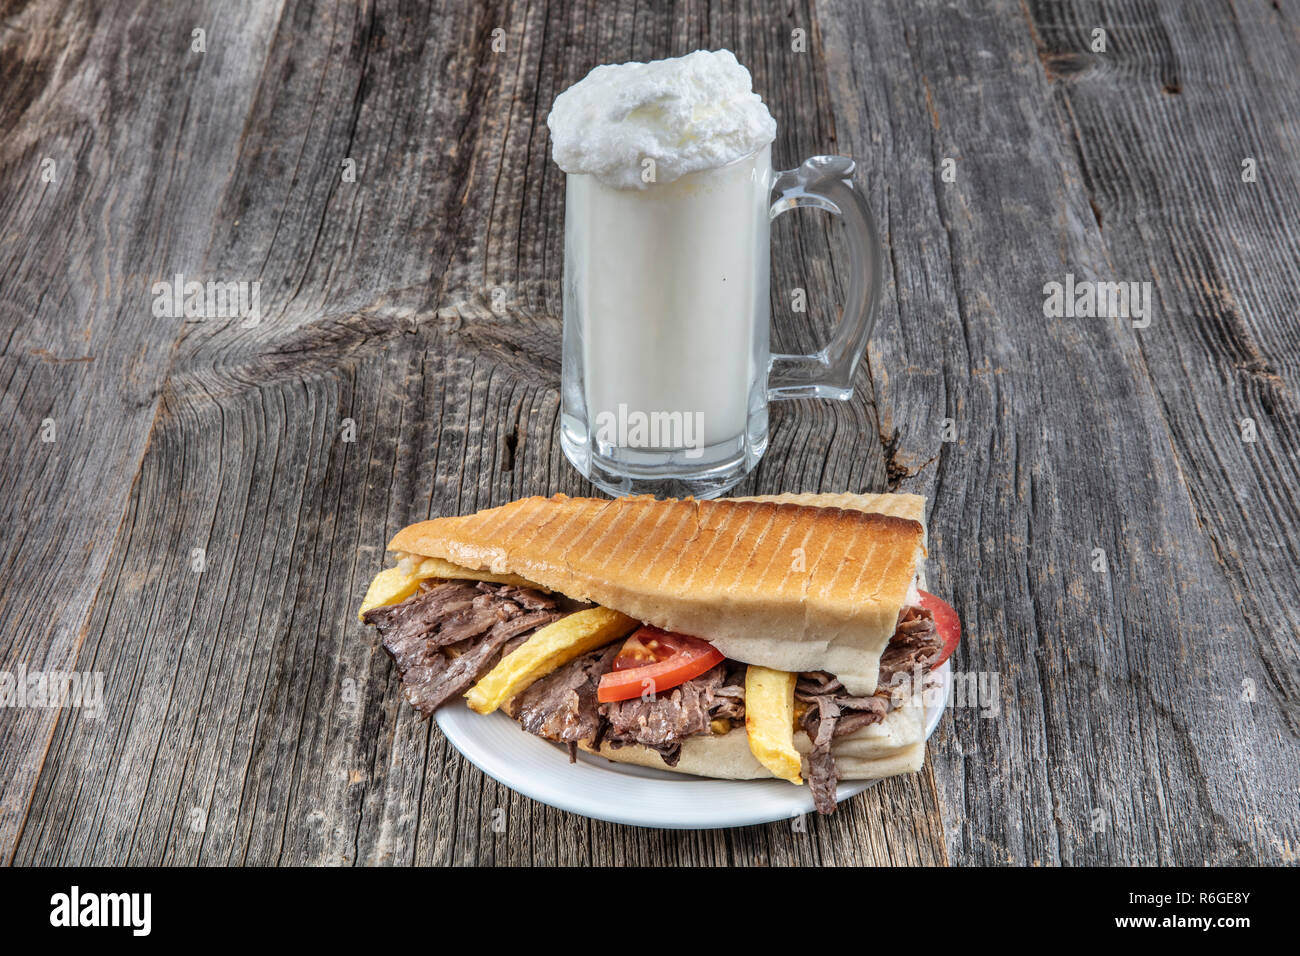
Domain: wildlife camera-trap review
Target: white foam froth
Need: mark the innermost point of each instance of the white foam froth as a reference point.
(688, 114)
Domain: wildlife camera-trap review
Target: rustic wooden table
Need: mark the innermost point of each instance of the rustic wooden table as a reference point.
(193, 507)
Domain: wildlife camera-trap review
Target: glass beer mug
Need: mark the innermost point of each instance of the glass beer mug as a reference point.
(667, 371)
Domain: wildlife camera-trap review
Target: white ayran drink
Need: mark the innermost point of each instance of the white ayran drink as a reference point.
(666, 217)
(670, 293)
(666, 263)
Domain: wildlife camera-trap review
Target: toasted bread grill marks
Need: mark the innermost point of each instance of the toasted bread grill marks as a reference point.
(859, 552)
(878, 567)
(658, 525)
(690, 538)
(664, 546)
(570, 532)
(713, 528)
(518, 533)
(600, 538)
(673, 542)
(522, 527)
(749, 564)
(802, 552)
(728, 571)
(709, 561)
(719, 564)
(665, 570)
(766, 561)
(486, 524)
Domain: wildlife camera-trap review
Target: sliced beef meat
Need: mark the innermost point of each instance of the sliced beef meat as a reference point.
(445, 637)
(729, 704)
(485, 612)
(663, 721)
(822, 775)
(412, 624)
(814, 683)
(815, 687)
(729, 699)
(851, 712)
(530, 598)
(868, 710)
(477, 658)
(833, 712)
(914, 645)
(562, 705)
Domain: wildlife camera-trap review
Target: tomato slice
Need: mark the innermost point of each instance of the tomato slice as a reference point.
(945, 622)
(654, 660)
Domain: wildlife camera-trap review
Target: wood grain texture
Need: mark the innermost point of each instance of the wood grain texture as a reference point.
(407, 365)
(1124, 690)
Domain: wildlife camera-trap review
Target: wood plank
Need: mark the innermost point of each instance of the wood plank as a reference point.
(1223, 254)
(1064, 431)
(140, 147)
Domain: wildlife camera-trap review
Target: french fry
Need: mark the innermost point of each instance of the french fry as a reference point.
(769, 720)
(394, 585)
(390, 586)
(551, 647)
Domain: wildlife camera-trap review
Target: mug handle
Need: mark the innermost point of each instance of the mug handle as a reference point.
(824, 182)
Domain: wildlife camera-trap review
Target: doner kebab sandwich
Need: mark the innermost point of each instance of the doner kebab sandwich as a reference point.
(743, 638)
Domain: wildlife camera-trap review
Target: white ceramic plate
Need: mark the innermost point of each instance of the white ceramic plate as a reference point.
(623, 793)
